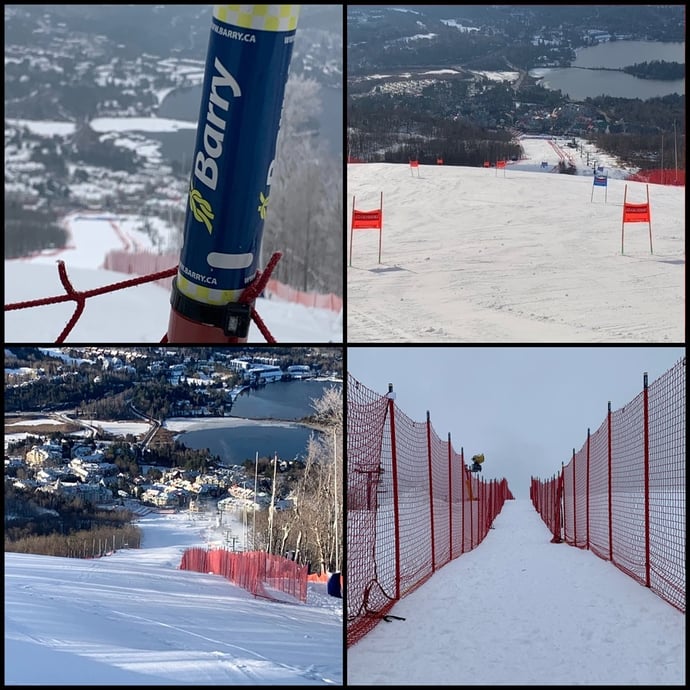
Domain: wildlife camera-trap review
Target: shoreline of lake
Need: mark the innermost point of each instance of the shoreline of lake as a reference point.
(609, 57)
(182, 424)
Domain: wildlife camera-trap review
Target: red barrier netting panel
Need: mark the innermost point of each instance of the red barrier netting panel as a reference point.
(414, 506)
(632, 509)
(261, 573)
(457, 502)
(667, 176)
(411, 506)
(599, 491)
(547, 499)
(438, 495)
(627, 488)
(667, 488)
(368, 461)
(576, 502)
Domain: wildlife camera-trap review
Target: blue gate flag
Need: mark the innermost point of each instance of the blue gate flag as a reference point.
(600, 180)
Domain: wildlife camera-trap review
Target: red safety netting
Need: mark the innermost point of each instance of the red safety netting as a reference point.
(143, 263)
(667, 176)
(412, 506)
(79, 297)
(623, 494)
(263, 574)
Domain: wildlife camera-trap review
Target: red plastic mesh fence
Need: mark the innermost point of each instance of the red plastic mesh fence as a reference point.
(667, 176)
(249, 295)
(412, 506)
(623, 493)
(145, 262)
(263, 574)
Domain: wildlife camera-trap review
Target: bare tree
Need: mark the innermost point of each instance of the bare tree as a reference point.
(313, 527)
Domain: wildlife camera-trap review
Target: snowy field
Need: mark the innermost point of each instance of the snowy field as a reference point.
(134, 315)
(138, 314)
(105, 124)
(139, 429)
(133, 618)
(518, 610)
(476, 255)
(115, 428)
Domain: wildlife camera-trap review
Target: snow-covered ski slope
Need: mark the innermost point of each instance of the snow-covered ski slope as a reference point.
(134, 618)
(473, 255)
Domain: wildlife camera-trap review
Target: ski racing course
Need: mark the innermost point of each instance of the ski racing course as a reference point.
(514, 255)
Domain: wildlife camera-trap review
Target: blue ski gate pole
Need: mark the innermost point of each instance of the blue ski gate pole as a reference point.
(247, 63)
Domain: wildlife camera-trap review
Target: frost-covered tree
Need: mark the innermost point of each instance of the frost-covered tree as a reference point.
(304, 219)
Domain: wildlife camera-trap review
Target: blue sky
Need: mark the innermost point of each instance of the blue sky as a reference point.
(525, 408)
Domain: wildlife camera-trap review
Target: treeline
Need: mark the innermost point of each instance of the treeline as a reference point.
(177, 455)
(157, 398)
(657, 69)
(643, 151)
(30, 230)
(658, 113)
(405, 132)
(42, 513)
(654, 146)
(82, 544)
(72, 389)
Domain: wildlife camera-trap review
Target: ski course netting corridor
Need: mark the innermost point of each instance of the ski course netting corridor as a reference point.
(519, 609)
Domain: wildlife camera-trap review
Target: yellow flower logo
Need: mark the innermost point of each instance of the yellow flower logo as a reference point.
(201, 208)
(262, 206)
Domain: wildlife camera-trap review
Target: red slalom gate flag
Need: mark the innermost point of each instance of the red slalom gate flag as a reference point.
(439, 161)
(500, 164)
(366, 220)
(636, 213)
(487, 164)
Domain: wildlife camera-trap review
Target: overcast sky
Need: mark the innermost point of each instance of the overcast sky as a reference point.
(525, 408)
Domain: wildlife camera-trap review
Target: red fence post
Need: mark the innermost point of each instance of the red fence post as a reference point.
(471, 514)
(462, 497)
(646, 482)
(610, 496)
(489, 504)
(561, 499)
(450, 497)
(574, 503)
(587, 504)
(431, 492)
(394, 472)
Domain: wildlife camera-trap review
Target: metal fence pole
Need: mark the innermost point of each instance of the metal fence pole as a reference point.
(450, 497)
(610, 479)
(587, 504)
(394, 470)
(646, 481)
(431, 491)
